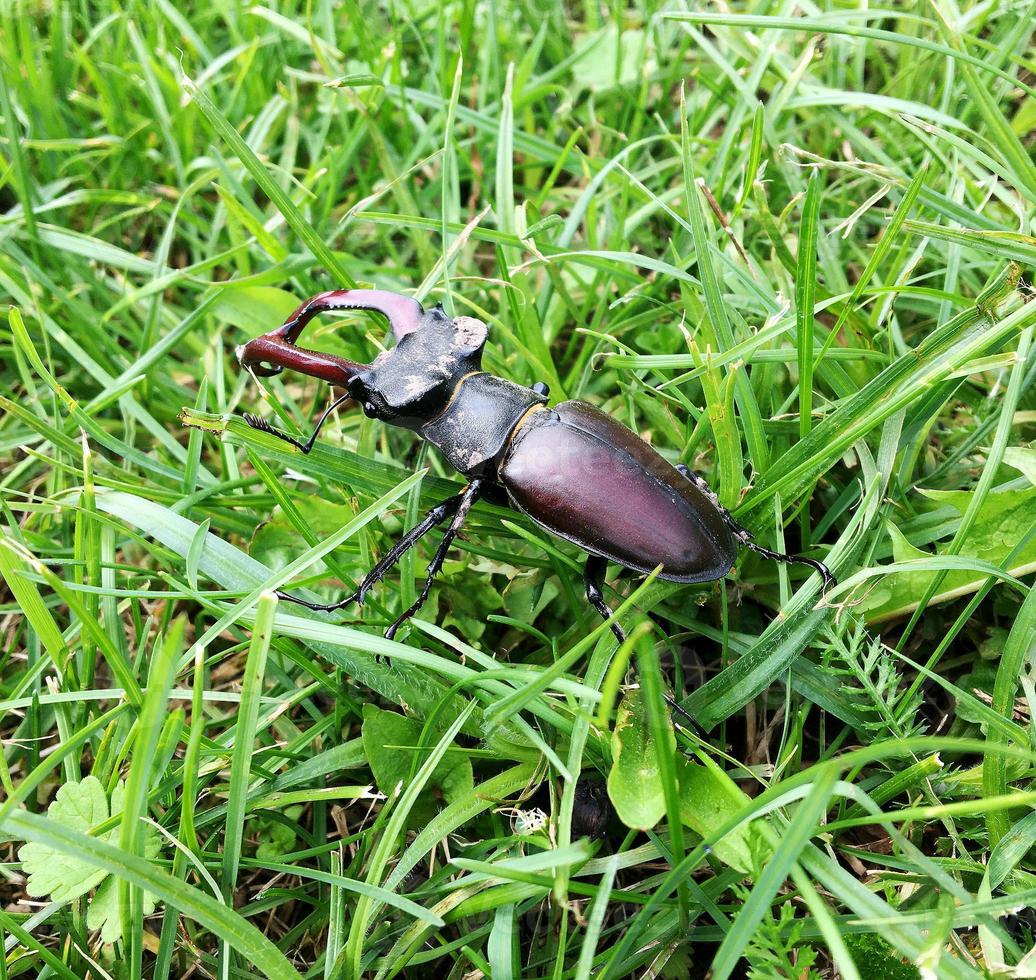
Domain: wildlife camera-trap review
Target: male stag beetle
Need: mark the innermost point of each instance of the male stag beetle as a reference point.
(573, 469)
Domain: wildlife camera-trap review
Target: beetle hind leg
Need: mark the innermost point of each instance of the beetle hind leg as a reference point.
(818, 566)
(745, 537)
(593, 577)
(739, 531)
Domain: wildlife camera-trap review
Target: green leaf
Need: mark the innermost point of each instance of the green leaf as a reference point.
(255, 309)
(634, 782)
(79, 806)
(607, 58)
(708, 799)
(1018, 651)
(280, 200)
(387, 740)
(978, 681)
(15, 560)
(225, 923)
(276, 838)
(805, 295)
(1002, 521)
(276, 542)
(103, 911)
(63, 876)
(1023, 459)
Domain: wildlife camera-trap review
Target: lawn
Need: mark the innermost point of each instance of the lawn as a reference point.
(790, 246)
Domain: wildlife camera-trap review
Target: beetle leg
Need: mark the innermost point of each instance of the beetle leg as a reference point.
(700, 483)
(435, 516)
(744, 536)
(471, 493)
(593, 578)
(819, 566)
(258, 423)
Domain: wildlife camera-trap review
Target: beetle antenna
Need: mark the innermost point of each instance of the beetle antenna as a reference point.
(819, 566)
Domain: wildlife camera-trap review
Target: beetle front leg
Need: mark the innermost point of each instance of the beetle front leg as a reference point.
(263, 426)
(473, 491)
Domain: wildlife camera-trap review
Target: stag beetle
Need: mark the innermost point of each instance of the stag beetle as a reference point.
(573, 469)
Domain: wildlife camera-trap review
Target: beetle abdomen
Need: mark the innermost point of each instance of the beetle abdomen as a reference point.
(589, 479)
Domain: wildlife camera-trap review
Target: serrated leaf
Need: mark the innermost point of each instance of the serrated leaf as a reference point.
(634, 782)
(103, 911)
(277, 839)
(79, 806)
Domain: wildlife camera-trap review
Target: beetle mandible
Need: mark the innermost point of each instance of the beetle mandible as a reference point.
(574, 470)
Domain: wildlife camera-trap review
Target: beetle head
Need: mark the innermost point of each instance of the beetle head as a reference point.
(413, 382)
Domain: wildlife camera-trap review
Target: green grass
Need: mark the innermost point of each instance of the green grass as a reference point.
(790, 246)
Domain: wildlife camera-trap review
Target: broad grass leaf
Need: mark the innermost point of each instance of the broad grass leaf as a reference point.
(255, 309)
(1023, 459)
(607, 58)
(276, 541)
(1003, 520)
(634, 782)
(231, 568)
(978, 681)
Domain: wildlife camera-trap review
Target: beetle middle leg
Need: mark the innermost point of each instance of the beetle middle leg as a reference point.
(593, 577)
(744, 536)
(263, 426)
(465, 501)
